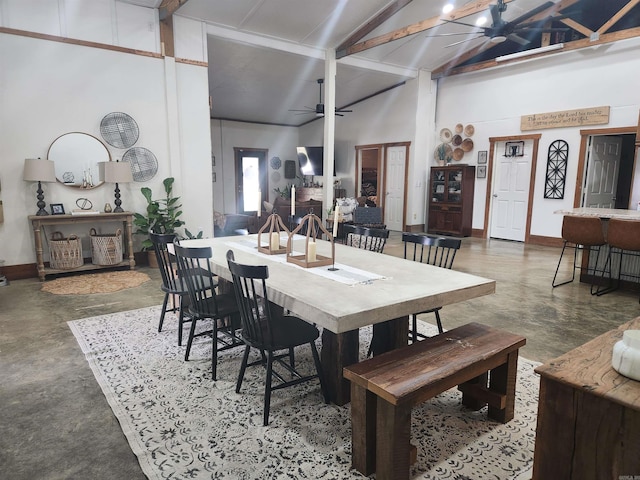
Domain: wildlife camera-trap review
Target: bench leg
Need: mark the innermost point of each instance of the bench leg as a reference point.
(470, 400)
(393, 434)
(363, 429)
(503, 380)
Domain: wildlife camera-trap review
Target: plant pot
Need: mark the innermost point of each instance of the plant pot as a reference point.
(152, 260)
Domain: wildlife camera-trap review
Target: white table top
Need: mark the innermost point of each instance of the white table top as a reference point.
(617, 213)
(408, 286)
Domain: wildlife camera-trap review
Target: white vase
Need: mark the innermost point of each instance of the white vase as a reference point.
(626, 355)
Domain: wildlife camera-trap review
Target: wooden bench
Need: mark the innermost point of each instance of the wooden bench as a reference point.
(481, 360)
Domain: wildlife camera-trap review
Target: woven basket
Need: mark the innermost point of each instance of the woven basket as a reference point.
(65, 253)
(106, 249)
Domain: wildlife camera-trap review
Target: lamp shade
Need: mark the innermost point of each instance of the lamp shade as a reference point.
(39, 170)
(116, 172)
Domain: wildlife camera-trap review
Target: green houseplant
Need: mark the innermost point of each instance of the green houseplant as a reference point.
(162, 216)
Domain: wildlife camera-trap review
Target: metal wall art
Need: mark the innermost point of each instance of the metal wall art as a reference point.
(557, 158)
(514, 149)
(144, 164)
(119, 130)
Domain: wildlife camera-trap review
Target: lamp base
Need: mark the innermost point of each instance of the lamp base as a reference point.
(41, 203)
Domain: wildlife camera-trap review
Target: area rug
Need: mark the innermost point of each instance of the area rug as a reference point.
(105, 282)
(182, 425)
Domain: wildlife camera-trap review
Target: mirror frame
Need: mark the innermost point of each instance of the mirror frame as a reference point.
(86, 171)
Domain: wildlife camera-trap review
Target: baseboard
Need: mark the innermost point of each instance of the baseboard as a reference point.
(477, 233)
(20, 272)
(415, 228)
(544, 241)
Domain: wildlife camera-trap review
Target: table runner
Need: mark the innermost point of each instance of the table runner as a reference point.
(345, 274)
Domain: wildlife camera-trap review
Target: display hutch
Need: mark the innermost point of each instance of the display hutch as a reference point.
(451, 199)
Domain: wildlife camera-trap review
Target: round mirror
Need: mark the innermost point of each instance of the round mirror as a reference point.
(76, 156)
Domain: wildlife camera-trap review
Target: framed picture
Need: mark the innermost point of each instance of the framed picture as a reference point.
(481, 171)
(57, 209)
(482, 157)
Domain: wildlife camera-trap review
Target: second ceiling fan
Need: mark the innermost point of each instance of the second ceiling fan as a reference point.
(319, 109)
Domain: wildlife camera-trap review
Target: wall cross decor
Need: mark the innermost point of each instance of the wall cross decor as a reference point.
(557, 158)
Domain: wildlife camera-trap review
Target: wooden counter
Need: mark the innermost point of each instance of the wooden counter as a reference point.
(588, 415)
(605, 213)
(39, 222)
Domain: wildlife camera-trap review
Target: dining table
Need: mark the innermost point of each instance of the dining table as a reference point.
(358, 289)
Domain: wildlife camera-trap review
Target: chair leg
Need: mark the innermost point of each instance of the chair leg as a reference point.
(164, 310)
(595, 271)
(573, 272)
(607, 269)
(214, 350)
(243, 367)
(414, 328)
(437, 312)
(292, 358)
(267, 387)
(192, 331)
(316, 360)
(180, 322)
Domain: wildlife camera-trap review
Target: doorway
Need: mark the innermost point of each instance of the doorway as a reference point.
(608, 171)
(509, 201)
(251, 183)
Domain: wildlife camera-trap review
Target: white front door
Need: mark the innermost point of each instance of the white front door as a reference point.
(394, 185)
(602, 172)
(510, 194)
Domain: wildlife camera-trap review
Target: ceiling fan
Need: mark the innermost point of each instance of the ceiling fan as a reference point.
(501, 30)
(319, 109)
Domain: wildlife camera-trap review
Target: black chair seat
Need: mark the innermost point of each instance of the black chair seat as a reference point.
(290, 331)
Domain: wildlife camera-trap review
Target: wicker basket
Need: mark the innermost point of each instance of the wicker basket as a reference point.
(106, 249)
(65, 253)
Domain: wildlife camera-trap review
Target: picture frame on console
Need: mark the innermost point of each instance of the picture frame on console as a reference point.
(57, 209)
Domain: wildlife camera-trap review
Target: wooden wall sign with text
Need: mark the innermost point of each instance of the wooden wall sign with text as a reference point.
(565, 118)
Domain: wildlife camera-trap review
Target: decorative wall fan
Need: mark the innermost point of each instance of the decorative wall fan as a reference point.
(319, 109)
(501, 30)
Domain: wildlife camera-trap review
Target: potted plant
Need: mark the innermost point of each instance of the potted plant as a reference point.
(162, 216)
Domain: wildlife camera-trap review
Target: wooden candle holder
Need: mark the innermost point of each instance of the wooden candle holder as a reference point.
(274, 226)
(312, 225)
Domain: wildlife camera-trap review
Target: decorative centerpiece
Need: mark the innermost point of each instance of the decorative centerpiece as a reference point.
(312, 225)
(273, 228)
(626, 355)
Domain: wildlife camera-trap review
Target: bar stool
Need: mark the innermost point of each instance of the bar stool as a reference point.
(581, 232)
(623, 236)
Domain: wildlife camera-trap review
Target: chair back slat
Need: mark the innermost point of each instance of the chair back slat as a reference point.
(250, 288)
(372, 239)
(431, 249)
(195, 270)
(166, 261)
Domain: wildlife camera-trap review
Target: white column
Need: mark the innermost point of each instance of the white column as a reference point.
(329, 125)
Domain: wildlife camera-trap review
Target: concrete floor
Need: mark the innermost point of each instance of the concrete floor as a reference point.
(56, 424)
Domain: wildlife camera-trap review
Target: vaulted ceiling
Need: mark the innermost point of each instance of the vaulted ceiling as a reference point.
(265, 56)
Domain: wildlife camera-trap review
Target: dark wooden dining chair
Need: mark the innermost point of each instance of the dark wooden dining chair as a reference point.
(205, 303)
(372, 239)
(267, 329)
(434, 250)
(580, 233)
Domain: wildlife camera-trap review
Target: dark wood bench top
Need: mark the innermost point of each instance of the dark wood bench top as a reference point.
(420, 371)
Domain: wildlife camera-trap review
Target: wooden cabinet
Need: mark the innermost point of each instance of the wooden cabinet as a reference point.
(451, 199)
(308, 193)
(125, 219)
(588, 415)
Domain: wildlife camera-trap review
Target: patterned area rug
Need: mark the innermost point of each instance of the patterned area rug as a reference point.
(106, 282)
(182, 425)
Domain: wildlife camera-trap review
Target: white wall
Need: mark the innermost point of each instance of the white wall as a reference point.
(227, 135)
(49, 88)
(494, 100)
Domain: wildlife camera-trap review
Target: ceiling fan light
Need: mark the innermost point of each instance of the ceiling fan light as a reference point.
(447, 8)
(498, 39)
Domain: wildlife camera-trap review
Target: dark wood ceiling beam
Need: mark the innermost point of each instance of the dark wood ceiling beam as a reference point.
(621, 13)
(575, 45)
(464, 11)
(371, 25)
(169, 7)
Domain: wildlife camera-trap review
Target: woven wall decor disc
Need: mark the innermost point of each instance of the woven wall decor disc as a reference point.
(458, 153)
(456, 140)
(445, 135)
(469, 130)
(459, 128)
(467, 145)
(119, 130)
(144, 164)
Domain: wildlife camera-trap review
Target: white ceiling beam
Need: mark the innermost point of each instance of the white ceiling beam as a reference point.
(265, 42)
(379, 67)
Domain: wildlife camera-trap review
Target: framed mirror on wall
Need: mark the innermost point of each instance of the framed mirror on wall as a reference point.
(76, 156)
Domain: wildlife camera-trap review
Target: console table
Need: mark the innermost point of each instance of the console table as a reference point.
(588, 415)
(38, 222)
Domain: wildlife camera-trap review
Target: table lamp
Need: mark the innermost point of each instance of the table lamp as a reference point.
(39, 170)
(116, 172)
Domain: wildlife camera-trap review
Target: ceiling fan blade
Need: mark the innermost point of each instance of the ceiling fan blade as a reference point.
(541, 30)
(452, 34)
(342, 110)
(531, 13)
(305, 110)
(518, 39)
(460, 23)
(463, 41)
(543, 22)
